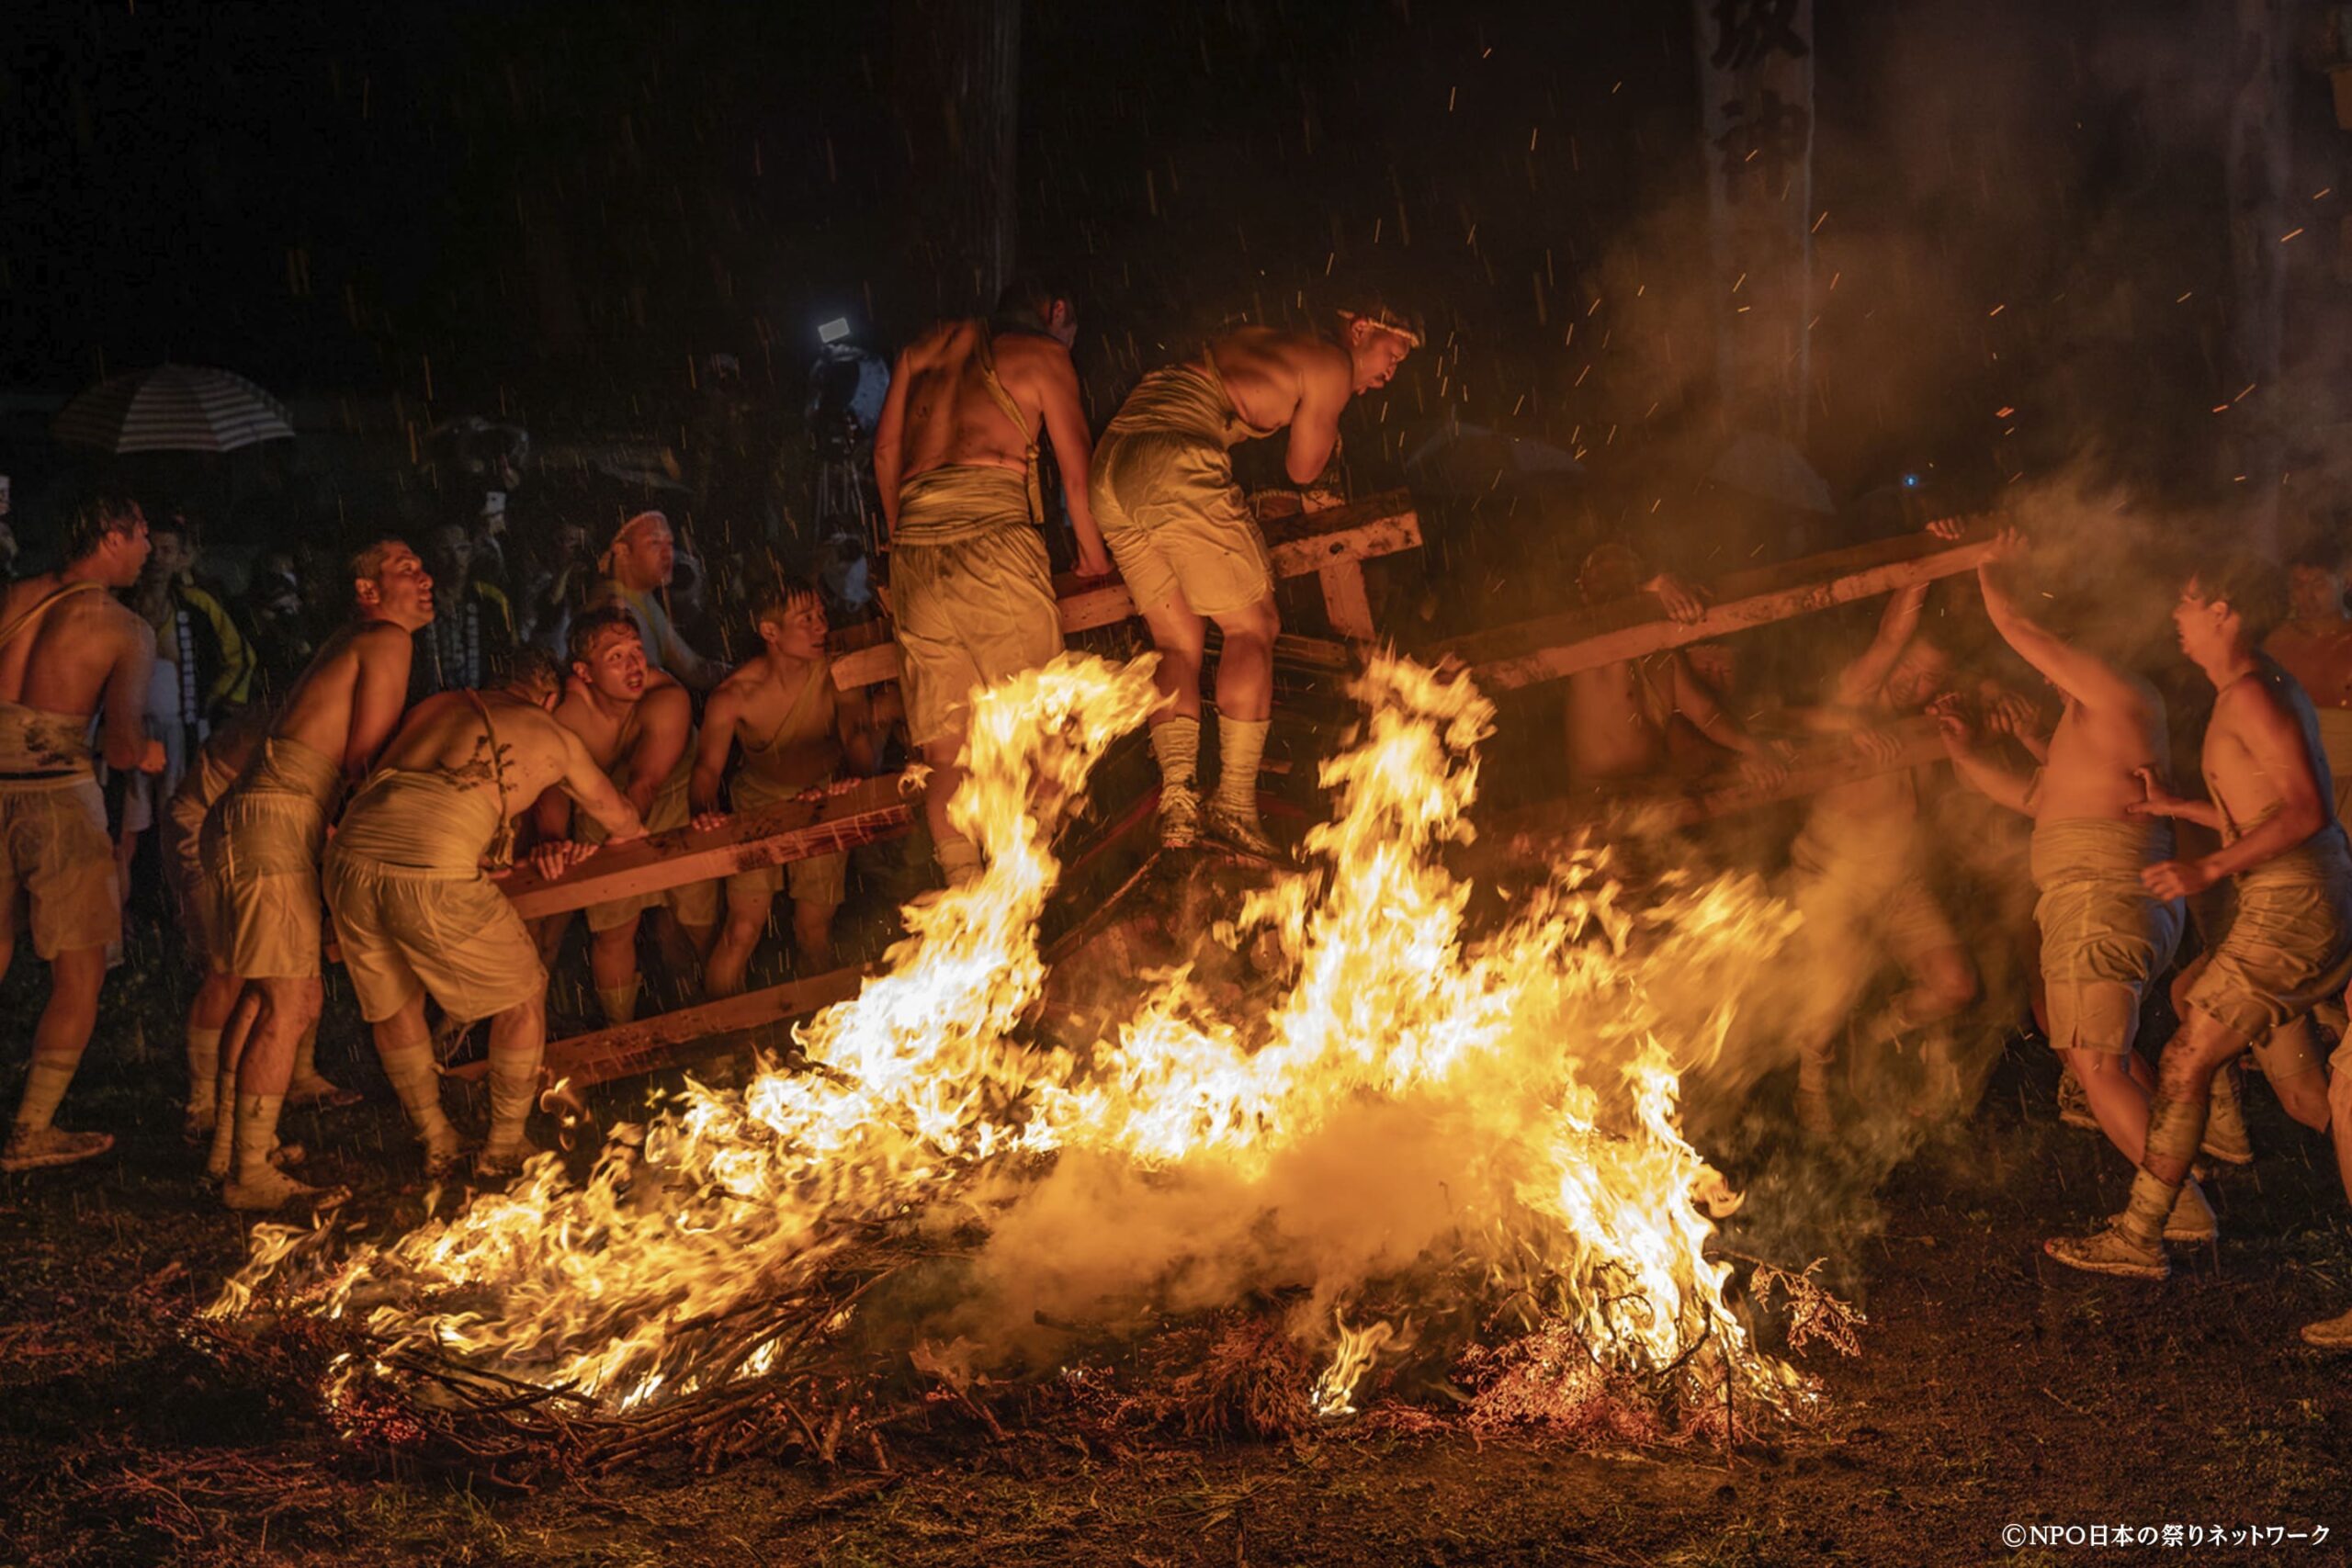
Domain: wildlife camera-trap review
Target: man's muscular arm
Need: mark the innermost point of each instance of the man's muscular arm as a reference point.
(122, 726)
(710, 751)
(1694, 702)
(1064, 418)
(379, 694)
(1323, 395)
(586, 783)
(2002, 785)
(667, 714)
(550, 816)
(863, 728)
(2085, 677)
(889, 437)
(2273, 741)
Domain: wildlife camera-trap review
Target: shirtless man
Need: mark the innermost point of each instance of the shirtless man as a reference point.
(1619, 714)
(68, 649)
(971, 589)
(260, 849)
(1191, 552)
(415, 907)
(2315, 646)
(2104, 936)
(2289, 942)
(794, 728)
(1860, 874)
(639, 726)
(639, 565)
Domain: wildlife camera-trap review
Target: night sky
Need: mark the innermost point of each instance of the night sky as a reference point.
(553, 210)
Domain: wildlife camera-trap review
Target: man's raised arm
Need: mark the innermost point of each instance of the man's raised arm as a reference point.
(1867, 674)
(2085, 677)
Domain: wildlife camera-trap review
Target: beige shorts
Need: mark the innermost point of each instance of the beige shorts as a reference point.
(2288, 947)
(260, 852)
(1177, 524)
(696, 904)
(451, 935)
(2103, 938)
(820, 879)
(54, 854)
(969, 614)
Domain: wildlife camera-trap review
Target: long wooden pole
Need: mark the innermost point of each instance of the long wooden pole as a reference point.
(1528, 652)
(629, 1050)
(858, 812)
(1821, 764)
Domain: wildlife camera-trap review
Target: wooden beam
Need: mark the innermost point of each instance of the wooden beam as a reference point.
(631, 1050)
(858, 812)
(1531, 651)
(1821, 763)
(1328, 545)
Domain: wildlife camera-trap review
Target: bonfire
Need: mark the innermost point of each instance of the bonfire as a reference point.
(1451, 1156)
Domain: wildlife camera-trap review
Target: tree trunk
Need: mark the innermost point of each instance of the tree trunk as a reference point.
(958, 92)
(1756, 119)
(2260, 162)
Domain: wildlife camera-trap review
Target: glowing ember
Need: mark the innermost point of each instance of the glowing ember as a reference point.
(1492, 1123)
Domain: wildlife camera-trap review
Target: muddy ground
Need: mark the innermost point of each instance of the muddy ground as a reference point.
(1993, 1389)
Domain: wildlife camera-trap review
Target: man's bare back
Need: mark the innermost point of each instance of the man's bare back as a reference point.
(88, 649)
(1280, 380)
(950, 418)
(446, 735)
(348, 699)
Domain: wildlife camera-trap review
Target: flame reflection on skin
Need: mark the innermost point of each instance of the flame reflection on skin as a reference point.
(1541, 1050)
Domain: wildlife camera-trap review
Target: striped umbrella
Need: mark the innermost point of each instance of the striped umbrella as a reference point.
(173, 408)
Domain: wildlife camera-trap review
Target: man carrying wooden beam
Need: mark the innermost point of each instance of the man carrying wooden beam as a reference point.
(1619, 714)
(417, 914)
(2288, 940)
(971, 590)
(260, 851)
(639, 725)
(795, 730)
(2105, 937)
(1860, 875)
(1192, 552)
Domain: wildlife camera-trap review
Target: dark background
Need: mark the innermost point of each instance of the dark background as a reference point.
(548, 211)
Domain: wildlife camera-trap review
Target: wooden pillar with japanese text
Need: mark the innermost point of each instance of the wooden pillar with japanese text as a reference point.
(1756, 121)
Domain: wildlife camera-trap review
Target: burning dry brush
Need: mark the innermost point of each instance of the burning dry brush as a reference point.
(1440, 1164)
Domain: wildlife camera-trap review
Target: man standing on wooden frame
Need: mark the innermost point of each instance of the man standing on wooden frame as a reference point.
(1192, 553)
(971, 590)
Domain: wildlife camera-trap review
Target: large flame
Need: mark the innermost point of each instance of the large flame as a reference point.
(1531, 1074)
